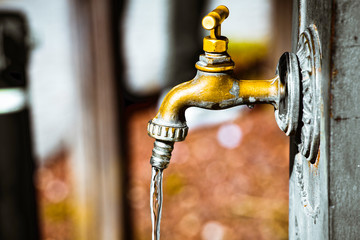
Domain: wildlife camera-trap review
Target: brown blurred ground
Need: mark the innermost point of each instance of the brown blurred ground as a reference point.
(209, 190)
(240, 193)
(55, 186)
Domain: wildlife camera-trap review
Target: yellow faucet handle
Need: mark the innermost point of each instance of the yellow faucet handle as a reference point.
(215, 17)
(215, 43)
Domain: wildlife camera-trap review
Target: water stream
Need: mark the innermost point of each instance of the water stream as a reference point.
(156, 198)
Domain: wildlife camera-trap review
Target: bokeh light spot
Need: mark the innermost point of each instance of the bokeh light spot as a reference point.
(229, 135)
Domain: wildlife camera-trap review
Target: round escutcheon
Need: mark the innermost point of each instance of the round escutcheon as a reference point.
(309, 55)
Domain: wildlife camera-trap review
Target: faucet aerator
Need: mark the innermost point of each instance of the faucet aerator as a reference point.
(161, 154)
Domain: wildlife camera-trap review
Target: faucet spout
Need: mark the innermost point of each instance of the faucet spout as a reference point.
(213, 91)
(207, 90)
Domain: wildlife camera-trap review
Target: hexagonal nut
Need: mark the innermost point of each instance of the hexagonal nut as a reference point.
(208, 59)
(215, 45)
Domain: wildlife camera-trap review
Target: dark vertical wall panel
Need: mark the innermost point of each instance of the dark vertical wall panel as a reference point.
(344, 166)
(18, 211)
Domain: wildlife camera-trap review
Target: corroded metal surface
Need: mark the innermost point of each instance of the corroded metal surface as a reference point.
(309, 157)
(214, 62)
(305, 182)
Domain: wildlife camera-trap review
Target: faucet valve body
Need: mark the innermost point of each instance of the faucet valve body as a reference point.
(214, 87)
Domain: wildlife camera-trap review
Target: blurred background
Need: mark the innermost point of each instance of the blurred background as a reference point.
(80, 79)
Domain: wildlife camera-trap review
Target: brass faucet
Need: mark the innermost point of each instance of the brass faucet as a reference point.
(214, 87)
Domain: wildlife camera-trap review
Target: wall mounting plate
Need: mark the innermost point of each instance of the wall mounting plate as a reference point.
(309, 55)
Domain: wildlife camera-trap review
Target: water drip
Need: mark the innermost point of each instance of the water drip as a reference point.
(156, 198)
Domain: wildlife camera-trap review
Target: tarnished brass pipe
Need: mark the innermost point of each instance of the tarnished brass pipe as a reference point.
(261, 91)
(215, 91)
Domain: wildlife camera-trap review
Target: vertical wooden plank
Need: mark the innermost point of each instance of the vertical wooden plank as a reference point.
(97, 156)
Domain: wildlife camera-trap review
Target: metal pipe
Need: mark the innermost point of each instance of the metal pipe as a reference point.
(215, 91)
